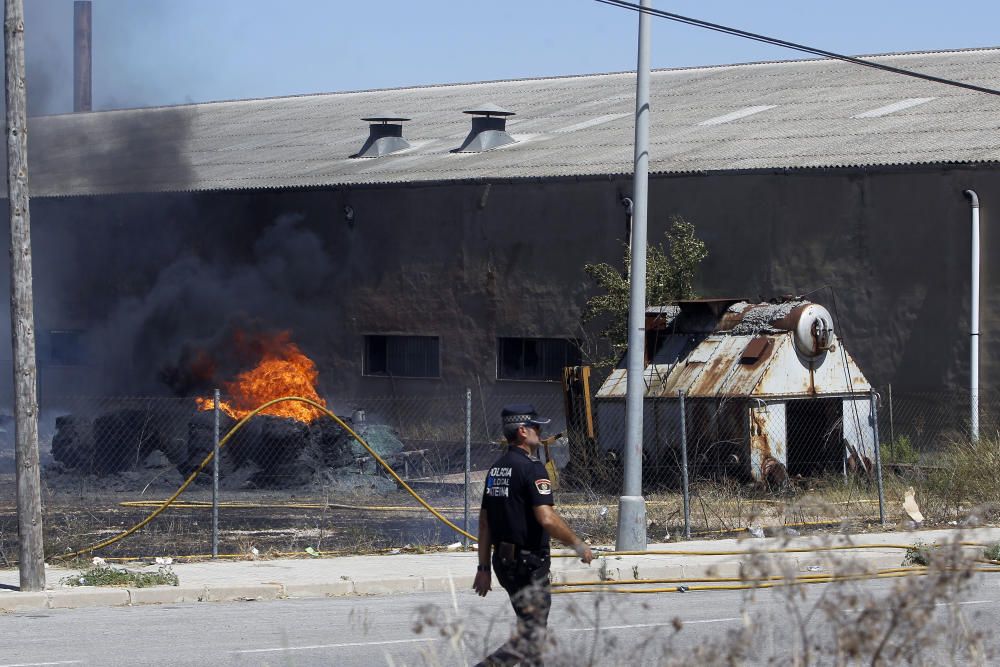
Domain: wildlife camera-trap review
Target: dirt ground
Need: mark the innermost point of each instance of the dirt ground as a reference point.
(363, 512)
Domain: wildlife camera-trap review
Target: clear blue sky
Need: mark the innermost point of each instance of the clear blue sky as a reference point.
(154, 52)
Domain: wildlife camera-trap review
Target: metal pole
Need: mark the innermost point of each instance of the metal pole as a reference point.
(974, 321)
(878, 458)
(215, 482)
(632, 506)
(892, 427)
(468, 459)
(684, 466)
(31, 556)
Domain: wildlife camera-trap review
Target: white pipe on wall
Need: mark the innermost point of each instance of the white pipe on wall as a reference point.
(974, 321)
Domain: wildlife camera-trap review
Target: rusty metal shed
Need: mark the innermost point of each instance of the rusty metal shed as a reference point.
(769, 391)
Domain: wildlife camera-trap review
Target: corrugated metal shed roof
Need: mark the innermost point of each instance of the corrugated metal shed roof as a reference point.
(712, 368)
(799, 114)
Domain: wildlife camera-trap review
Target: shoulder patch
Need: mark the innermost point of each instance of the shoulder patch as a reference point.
(544, 486)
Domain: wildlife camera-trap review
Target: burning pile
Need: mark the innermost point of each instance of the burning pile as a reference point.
(283, 371)
(287, 444)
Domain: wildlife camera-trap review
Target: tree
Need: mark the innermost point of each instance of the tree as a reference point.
(670, 272)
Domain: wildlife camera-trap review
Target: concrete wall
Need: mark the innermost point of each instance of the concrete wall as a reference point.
(147, 275)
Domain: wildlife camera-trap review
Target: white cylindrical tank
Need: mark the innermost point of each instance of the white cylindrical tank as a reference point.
(812, 330)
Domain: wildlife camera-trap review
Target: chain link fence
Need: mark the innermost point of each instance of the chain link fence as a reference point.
(710, 467)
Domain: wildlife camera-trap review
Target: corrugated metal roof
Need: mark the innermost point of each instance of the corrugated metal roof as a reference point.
(713, 369)
(815, 113)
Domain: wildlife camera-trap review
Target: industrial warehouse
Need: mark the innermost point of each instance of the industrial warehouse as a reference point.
(684, 362)
(416, 240)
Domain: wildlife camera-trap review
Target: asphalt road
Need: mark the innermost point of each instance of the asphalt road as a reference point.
(383, 630)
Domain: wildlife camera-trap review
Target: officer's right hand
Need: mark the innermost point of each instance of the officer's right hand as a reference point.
(482, 584)
(584, 552)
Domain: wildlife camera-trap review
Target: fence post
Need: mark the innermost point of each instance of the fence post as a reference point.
(684, 466)
(468, 459)
(878, 457)
(892, 427)
(215, 482)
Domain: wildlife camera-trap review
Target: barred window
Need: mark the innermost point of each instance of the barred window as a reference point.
(535, 358)
(402, 356)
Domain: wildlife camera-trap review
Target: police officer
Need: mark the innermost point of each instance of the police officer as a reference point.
(516, 520)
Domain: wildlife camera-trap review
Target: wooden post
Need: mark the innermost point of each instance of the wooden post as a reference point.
(31, 560)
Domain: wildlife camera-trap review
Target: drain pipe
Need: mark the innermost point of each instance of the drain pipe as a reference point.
(974, 321)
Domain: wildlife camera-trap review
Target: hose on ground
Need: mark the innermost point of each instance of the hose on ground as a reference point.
(437, 513)
(765, 582)
(225, 440)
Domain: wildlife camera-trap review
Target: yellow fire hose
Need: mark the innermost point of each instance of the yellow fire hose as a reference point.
(225, 440)
(765, 582)
(437, 513)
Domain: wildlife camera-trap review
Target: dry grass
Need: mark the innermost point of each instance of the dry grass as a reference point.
(915, 621)
(960, 488)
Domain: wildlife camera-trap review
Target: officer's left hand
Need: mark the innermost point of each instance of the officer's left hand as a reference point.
(483, 583)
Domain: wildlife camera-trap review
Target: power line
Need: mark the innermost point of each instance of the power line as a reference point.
(698, 23)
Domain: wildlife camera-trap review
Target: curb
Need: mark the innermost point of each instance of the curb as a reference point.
(83, 596)
(605, 570)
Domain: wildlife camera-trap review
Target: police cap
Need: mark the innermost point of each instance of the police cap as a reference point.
(522, 413)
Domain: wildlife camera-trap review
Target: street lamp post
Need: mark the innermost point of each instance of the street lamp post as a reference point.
(631, 505)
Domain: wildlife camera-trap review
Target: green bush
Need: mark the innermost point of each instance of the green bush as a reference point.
(105, 575)
(964, 476)
(900, 450)
(919, 554)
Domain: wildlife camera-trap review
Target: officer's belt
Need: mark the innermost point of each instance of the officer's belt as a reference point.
(509, 551)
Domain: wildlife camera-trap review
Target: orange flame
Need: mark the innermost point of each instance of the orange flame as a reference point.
(282, 371)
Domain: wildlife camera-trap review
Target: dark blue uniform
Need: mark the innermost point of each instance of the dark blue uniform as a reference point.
(515, 485)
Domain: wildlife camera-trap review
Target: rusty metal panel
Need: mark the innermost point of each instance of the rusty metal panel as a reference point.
(789, 375)
(830, 374)
(755, 349)
(768, 442)
(673, 348)
(614, 385)
(683, 373)
(719, 366)
(724, 375)
(704, 351)
(785, 375)
(714, 372)
(859, 434)
(834, 379)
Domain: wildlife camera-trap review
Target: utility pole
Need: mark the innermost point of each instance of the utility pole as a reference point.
(31, 556)
(631, 505)
(82, 56)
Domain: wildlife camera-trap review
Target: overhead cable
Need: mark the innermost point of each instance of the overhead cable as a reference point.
(698, 23)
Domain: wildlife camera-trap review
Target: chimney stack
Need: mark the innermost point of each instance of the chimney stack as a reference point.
(489, 129)
(81, 56)
(385, 135)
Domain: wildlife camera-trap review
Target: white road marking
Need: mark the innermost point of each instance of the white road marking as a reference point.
(936, 604)
(648, 625)
(319, 646)
(42, 664)
(434, 639)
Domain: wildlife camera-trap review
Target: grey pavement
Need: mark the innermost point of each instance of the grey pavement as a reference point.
(229, 580)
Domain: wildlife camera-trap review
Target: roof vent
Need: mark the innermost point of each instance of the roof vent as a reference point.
(489, 131)
(385, 135)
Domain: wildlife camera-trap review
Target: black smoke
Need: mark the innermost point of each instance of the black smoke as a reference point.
(203, 318)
